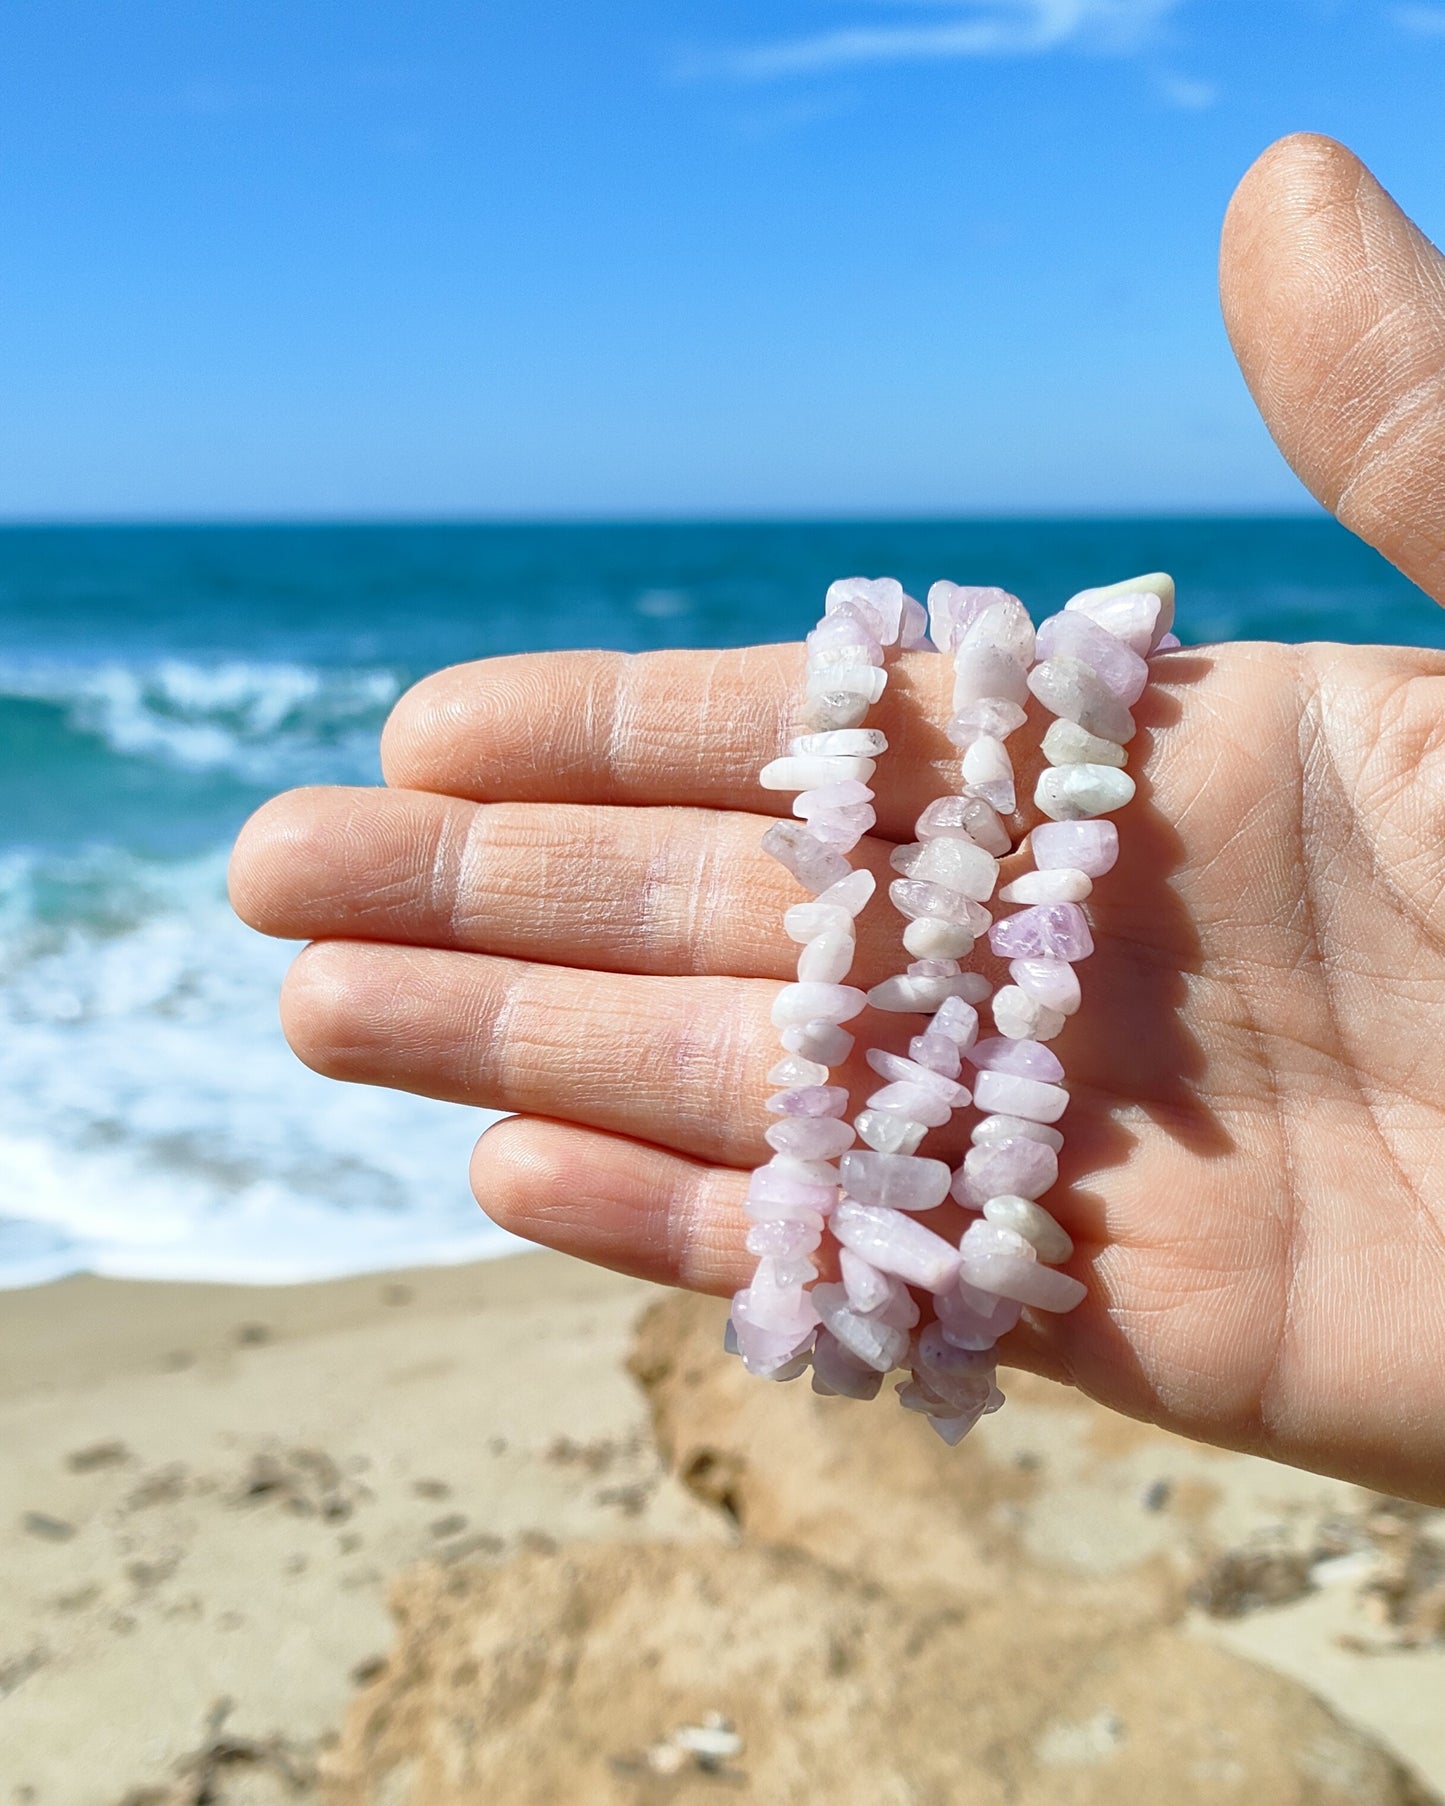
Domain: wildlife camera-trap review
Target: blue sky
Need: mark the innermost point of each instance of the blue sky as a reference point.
(540, 257)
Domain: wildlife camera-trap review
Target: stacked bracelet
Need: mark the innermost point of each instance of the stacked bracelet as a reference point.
(1093, 666)
(775, 1319)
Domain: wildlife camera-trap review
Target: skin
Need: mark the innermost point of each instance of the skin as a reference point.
(558, 908)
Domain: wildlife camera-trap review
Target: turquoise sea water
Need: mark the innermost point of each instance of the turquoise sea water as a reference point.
(156, 684)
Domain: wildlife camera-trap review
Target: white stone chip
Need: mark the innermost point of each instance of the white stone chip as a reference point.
(1066, 743)
(802, 771)
(1061, 885)
(1020, 1017)
(1030, 1220)
(1080, 792)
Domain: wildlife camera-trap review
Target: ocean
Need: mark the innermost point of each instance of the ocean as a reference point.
(158, 683)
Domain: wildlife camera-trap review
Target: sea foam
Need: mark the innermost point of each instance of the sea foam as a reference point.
(153, 1121)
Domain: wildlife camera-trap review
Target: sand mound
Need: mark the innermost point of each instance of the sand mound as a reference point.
(567, 1677)
(878, 1635)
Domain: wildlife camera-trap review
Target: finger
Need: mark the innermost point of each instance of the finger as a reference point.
(619, 1203)
(676, 1061)
(643, 1211)
(690, 728)
(1335, 303)
(663, 891)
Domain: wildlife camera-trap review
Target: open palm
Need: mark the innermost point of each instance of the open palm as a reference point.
(559, 908)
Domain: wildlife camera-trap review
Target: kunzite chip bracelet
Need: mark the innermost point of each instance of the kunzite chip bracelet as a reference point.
(774, 1322)
(1092, 667)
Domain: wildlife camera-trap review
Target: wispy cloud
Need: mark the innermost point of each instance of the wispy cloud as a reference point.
(1184, 92)
(1421, 21)
(979, 28)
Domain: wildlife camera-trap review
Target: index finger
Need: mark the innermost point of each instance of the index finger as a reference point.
(652, 728)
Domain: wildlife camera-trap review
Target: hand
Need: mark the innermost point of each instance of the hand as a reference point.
(560, 909)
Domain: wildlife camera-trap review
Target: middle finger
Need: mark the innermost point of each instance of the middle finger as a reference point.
(663, 890)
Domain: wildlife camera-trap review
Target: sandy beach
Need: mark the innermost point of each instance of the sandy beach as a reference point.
(518, 1532)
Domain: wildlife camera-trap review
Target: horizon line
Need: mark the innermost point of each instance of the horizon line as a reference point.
(1002, 517)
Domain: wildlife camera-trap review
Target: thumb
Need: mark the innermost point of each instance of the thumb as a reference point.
(1335, 305)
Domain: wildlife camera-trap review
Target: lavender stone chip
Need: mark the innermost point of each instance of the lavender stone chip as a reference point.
(1045, 931)
(1008, 1095)
(1068, 687)
(809, 1100)
(1090, 847)
(890, 1132)
(1072, 634)
(799, 1003)
(837, 1371)
(1051, 982)
(939, 1052)
(878, 600)
(1009, 1128)
(866, 1335)
(975, 1320)
(969, 817)
(814, 865)
(810, 1137)
(867, 1288)
(919, 1103)
(916, 898)
(897, 1243)
(1015, 1168)
(910, 1072)
(1027, 1058)
(824, 1042)
(786, 1238)
(900, 1181)
(954, 607)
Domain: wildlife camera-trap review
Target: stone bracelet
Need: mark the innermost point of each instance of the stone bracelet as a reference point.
(1092, 667)
(774, 1320)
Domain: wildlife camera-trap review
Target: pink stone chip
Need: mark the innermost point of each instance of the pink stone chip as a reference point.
(867, 1335)
(797, 1003)
(867, 1288)
(1029, 1059)
(954, 607)
(1047, 931)
(814, 865)
(917, 897)
(1051, 982)
(1006, 1094)
(1133, 618)
(919, 1103)
(1014, 1277)
(842, 626)
(972, 1319)
(963, 1378)
(988, 773)
(1072, 634)
(998, 1261)
(958, 1020)
(785, 1238)
(910, 1072)
(940, 1053)
(823, 1042)
(810, 1137)
(772, 1194)
(1090, 847)
(838, 1373)
(1016, 1168)
(896, 1243)
(879, 600)
(900, 1181)
(809, 1100)
(968, 816)
(991, 717)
